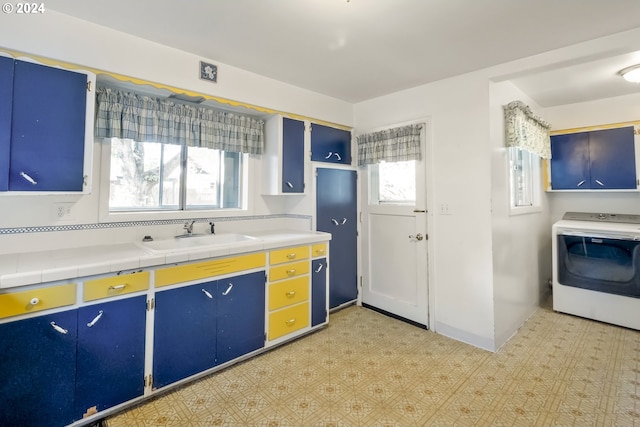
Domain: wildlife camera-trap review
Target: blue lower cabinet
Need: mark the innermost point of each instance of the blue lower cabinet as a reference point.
(240, 316)
(184, 332)
(110, 358)
(38, 371)
(318, 291)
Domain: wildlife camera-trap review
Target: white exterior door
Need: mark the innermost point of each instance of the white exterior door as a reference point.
(394, 241)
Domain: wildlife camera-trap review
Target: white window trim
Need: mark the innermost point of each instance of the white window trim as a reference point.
(105, 215)
(536, 206)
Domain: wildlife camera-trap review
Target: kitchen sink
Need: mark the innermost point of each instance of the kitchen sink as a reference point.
(202, 241)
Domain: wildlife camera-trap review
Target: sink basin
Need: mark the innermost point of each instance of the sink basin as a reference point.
(196, 242)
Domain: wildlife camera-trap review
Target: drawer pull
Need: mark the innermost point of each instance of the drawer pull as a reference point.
(28, 178)
(228, 289)
(34, 301)
(319, 251)
(319, 269)
(207, 293)
(289, 184)
(291, 272)
(95, 319)
(291, 256)
(290, 322)
(290, 294)
(59, 329)
(117, 287)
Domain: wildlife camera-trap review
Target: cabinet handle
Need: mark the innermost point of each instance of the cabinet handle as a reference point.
(290, 322)
(228, 289)
(34, 301)
(117, 287)
(95, 319)
(291, 272)
(28, 178)
(319, 269)
(599, 183)
(581, 182)
(207, 294)
(319, 251)
(338, 156)
(329, 155)
(289, 184)
(344, 221)
(291, 256)
(59, 329)
(335, 221)
(290, 294)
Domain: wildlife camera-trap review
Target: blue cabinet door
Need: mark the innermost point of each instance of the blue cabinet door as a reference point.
(48, 129)
(240, 315)
(110, 365)
(184, 332)
(6, 101)
(570, 161)
(37, 370)
(336, 195)
(330, 145)
(292, 156)
(613, 162)
(318, 291)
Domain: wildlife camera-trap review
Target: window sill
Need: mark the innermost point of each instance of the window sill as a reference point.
(523, 210)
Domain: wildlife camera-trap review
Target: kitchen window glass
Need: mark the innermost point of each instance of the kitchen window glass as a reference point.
(155, 176)
(524, 177)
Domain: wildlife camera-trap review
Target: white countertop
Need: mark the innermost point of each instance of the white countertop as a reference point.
(30, 268)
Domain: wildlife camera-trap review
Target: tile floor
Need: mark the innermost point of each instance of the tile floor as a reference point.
(367, 369)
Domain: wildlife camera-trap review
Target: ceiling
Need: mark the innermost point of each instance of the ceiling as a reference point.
(356, 50)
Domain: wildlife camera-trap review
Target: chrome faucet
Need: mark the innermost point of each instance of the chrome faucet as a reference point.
(188, 227)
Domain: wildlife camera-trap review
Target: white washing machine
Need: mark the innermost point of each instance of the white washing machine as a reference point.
(596, 267)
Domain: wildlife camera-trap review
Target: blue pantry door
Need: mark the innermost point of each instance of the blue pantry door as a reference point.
(48, 129)
(6, 96)
(37, 371)
(240, 315)
(336, 209)
(110, 367)
(184, 332)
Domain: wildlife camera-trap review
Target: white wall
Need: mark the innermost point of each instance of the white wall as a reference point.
(462, 284)
(65, 39)
(594, 113)
(521, 243)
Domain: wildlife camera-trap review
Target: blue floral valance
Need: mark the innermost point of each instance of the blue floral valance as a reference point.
(148, 119)
(525, 130)
(390, 145)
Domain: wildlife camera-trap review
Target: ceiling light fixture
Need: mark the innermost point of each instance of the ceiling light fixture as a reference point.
(631, 74)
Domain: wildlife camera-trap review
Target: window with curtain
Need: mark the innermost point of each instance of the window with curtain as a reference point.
(391, 157)
(527, 140)
(172, 156)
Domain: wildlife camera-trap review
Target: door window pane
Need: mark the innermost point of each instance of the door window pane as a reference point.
(393, 183)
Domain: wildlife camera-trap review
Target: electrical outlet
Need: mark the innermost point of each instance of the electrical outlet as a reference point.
(63, 211)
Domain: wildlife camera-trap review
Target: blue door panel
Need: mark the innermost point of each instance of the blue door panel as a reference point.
(337, 214)
(330, 145)
(47, 138)
(292, 156)
(184, 332)
(318, 291)
(570, 161)
(37, 371)
(240, 315)
(613, 164)
(110, 367)
(6, 97)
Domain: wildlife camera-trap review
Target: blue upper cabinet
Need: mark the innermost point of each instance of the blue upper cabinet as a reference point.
(45, 109)
(597, 160)
(284, 159)
(330, 145)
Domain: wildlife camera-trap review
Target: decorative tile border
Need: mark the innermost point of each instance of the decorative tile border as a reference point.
(75, 227)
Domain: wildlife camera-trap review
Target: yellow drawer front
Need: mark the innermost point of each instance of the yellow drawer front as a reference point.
(288, 254)
(202, 270)
(285, 321)
(288, 292)
(25, 302)
(319, 249)
(288, 270)
(117, 285)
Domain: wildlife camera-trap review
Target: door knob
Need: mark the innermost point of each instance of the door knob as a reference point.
(418, 236)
